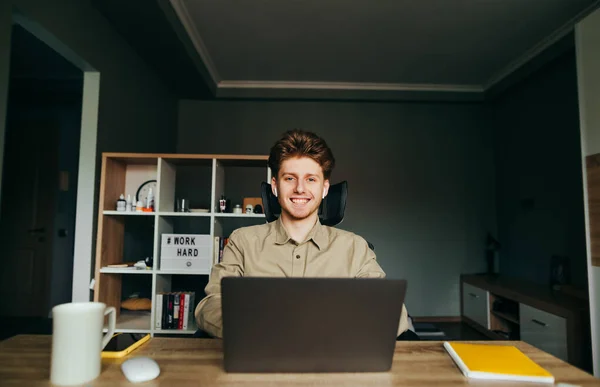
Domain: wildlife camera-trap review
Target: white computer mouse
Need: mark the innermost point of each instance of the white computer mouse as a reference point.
(140, 369)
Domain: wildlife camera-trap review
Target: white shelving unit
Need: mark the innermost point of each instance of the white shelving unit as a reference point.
(227, 215)
(199, 178)
(121, 213)
(120, 270)
(200, 214)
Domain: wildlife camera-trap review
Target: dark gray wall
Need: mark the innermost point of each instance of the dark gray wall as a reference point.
(539, 178)
(421, 178)
(137, 111)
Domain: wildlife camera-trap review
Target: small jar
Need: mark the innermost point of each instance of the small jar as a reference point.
(121, 204)
(237, 209)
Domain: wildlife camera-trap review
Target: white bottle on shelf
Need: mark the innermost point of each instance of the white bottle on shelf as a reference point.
(129, 206)
(150, 200)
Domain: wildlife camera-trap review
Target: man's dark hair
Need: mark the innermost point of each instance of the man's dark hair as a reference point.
(299, 143)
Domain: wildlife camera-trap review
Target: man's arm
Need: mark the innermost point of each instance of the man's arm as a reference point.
(367, 260)
(370, 269)
(208, 312)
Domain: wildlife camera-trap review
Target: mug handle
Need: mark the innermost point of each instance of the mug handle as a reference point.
(112, 321)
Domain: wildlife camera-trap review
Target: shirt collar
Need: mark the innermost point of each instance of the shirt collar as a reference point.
(318, 234)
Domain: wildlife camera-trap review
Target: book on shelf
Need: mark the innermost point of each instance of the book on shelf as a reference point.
(159, 311)
(174, 310)
(220, 243)
(121, 265)
(179, 311)
(496, 362)
(176, 299)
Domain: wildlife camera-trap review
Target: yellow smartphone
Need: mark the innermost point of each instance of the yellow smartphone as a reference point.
(123, 344)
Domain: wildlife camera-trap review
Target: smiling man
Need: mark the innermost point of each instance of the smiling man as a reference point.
(296, 244)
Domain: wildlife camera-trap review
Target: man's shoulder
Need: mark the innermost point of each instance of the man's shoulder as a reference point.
(339, 234)
(255, 231)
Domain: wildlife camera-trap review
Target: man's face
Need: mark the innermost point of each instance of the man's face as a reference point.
(300, 187)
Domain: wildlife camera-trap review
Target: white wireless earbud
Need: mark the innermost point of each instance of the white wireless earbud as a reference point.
(275, 189)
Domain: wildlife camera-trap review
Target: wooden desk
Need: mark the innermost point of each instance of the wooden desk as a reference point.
(25, 361)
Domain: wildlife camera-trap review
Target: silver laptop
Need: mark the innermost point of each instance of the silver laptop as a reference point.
(310, 324)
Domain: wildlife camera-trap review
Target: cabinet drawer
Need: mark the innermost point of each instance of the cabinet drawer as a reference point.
(544, 330)
(476, 304)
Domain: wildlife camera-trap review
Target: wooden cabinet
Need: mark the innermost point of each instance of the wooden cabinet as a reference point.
(476, 304)
(508, 309)
(133, 236)
(544, 330)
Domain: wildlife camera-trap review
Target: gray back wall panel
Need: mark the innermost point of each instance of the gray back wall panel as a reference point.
(420, 175)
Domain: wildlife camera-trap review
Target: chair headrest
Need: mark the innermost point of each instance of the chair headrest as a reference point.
(331, 210)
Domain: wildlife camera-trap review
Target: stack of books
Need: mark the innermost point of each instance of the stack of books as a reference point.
(175, 310)
(220, 243)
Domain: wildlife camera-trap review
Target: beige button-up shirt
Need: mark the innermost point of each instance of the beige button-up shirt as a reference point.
(267, 251)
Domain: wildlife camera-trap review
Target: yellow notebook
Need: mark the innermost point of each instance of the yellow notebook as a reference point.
(502, 362)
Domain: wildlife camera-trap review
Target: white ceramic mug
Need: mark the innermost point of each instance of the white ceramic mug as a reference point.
(77, 341)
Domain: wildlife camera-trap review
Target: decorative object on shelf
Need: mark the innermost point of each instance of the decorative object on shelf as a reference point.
(237, 209)
(182, 205)
(254, 202)
(189, 252)
(135, 303)
(222, 204)
(140, 265)
(205, 210)
(121, 204)
(258, 209)
(249, 208)
(139, 207)
(493, 262)
(145, 193)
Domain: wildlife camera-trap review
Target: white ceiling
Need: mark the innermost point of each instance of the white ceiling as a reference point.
(381, 47)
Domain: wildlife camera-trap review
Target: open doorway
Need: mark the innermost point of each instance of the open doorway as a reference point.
(39, 184)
